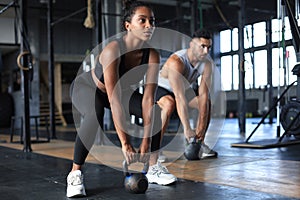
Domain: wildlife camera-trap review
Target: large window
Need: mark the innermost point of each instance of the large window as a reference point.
(256, 65)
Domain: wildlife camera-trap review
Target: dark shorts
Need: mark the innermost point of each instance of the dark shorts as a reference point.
(160, 92)
(189, 93)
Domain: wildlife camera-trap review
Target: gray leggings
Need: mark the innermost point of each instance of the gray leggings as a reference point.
(90, 102)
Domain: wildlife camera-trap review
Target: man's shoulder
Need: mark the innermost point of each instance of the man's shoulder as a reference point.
(175, 59)
(180, 52)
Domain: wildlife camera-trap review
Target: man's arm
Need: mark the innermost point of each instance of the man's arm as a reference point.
(178, 83)
(204, 102)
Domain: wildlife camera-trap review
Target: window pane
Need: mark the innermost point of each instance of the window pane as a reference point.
(235, 39)
(288, 32)
(276, 33)
(248, 71)
(225, 41)
(276, 68)
(248, 36)
(277, 30)
(276, 64)
(259, 32)
(260, 68)
(290, 63)
(235, 72)
(226, 72)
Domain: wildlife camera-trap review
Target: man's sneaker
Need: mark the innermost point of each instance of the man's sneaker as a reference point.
(161, 157)
(75, 184)
(206, 152)
(160, 175)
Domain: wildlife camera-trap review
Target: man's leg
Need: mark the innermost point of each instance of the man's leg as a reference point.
(167, 105)
(205, 151)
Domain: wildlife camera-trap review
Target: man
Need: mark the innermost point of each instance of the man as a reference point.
(176, 78)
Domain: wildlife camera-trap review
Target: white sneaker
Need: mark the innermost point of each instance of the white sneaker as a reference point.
(161, 157)
(206, 152)
(160, 175)
(75, 184)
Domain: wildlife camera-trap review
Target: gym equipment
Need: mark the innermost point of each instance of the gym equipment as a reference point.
(136, 183)
(291, 111)
(191, 151)
(289, 118)
(89, 20)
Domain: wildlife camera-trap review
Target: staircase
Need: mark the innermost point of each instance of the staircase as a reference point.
(45, 110)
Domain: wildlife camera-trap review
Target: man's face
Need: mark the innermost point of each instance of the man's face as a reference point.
(201, 47)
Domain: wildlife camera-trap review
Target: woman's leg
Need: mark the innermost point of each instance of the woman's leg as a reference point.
(83, 99)
(90, 104)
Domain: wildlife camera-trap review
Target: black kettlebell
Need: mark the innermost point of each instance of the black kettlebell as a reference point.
(191, 151)
(136, 183)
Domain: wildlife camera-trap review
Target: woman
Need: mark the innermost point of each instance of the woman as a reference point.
(116, 59)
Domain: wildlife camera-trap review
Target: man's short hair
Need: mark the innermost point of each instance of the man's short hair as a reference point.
(202, 33)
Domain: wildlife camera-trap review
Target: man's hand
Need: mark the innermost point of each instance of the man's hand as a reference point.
(189, 133)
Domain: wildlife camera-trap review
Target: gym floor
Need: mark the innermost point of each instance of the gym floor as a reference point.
(250, 172)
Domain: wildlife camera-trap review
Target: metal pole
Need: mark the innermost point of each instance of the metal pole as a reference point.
(26, 115)
(200, 14)
(179, 14)
(269, 69)
(98, 24)
(51, 70)
(242, 117)
(193, 16)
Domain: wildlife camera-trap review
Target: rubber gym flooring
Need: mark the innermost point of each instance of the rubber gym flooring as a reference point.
(238, 173)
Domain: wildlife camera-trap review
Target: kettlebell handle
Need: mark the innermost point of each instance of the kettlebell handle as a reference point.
(194, 140)
(126, 172)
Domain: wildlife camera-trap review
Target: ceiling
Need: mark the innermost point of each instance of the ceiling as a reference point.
(223, 14)
(216, 14)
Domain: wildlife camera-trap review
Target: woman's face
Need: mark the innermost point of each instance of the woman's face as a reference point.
(142, 23)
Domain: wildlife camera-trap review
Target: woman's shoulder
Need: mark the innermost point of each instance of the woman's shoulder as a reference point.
(112, 46)
(112, 49)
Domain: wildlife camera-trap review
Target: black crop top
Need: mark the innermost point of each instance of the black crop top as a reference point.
(122, 69)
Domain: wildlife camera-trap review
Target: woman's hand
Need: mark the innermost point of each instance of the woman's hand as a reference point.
(129, 153)
(144, 151)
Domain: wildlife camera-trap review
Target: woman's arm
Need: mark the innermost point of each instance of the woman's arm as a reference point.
(148, 98)
(110, 60)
